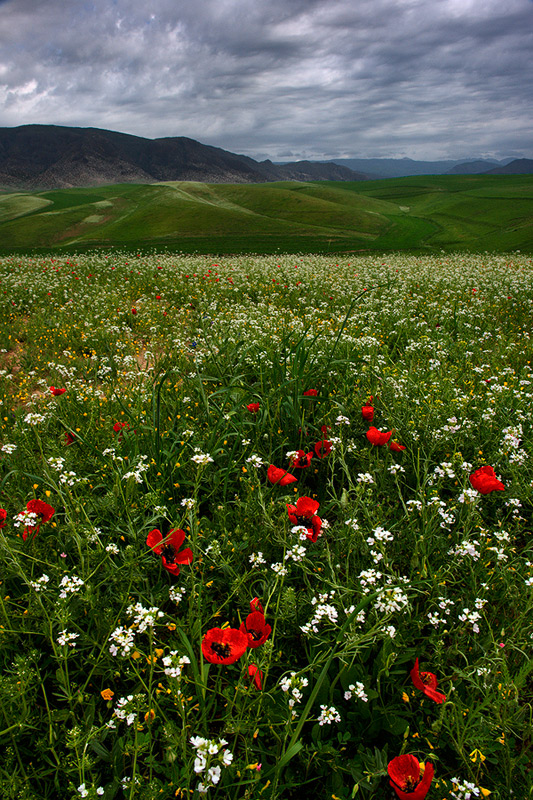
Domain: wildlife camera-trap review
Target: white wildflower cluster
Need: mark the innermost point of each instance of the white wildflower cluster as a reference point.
(246, 442)
(342, 420)
(368, 578)
(511, 444)
(187, 434)
(174, 664)
(137, 472)
(70, 584)
(279, 569)
(391, 599)
(292, 685)
(84, 792)
(448, 517)
(201, 459)
(122, 640)
(352, 523)
(256, 559)
(39, 584)
(110, 451)
(356, 689)
(8, 448)
(66, 638)
(365, 477)
(176, 594)
(445, 605)
(300, 531)
(211, 757)
(34, 419)
(471, 617)
(464, 790)
(188, 503)
(297, 553)
(328, 715)
(162, 511)
(466, 549)
(126, 709)
(214, 549)
(322, 609)
(394, 469)
(144, 618)
(443, 470)
(414, 504)
(56, 463)
(380, 535)
(514, 504)
(70, 479)
(112, 548)
(255, 461)
(27, 518)
(468, 496)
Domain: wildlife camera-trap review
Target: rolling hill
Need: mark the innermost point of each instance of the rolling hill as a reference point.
(420, 213)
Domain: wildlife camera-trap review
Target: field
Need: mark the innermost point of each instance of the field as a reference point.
(426, 214)
(265, 520)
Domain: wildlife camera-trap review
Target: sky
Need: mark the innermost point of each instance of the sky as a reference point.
(279, 79)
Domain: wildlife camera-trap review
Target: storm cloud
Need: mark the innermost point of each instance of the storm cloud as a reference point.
(283, 79)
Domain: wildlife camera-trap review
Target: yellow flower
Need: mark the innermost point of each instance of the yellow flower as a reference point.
(107, 694)
(475, 754)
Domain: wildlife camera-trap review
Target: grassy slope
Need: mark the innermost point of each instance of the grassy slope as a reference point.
(423, 212)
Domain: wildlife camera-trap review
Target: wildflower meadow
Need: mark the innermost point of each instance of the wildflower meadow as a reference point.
(265, 526)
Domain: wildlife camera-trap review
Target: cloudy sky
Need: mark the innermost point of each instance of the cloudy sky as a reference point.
(279, 79)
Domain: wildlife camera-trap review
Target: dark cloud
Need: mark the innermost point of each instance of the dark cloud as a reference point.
(422, 78)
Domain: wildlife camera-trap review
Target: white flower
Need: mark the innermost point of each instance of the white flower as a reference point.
(358, 690)
(82, 790)
(188, 503)
(8, 448)
(328, 715)
(67, 638)
(202, 459)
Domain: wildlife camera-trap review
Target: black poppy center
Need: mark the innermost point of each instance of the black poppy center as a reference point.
(222, 650)
(304, 521)
(169, 553)
(256, 635)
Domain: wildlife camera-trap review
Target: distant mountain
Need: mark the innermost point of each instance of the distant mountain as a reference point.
(471, 168)
(404, 167)
(51, 157)
(520, 166)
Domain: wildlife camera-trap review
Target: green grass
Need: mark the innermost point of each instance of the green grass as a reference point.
(422, 213)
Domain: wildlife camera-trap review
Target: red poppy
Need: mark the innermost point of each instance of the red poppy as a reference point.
(311, 393)
(301, 460)
(255, 675)
(119, 425)
(70, 438)
(304, 513)
(395, 447)
(57, 392)
(378, 437)
(253, 407)
(485, 481)
(224, 645)
(255, 605)
(44, 513)
(256, 628)
(407, 779)
(323, 448)
(3, 517)
(367, 412)
(427, 683)
(167, 547)
(280, 476)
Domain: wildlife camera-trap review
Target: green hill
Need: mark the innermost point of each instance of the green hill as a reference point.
(421, 213)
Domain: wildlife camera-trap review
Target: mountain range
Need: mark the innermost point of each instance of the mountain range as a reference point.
(51, 157)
